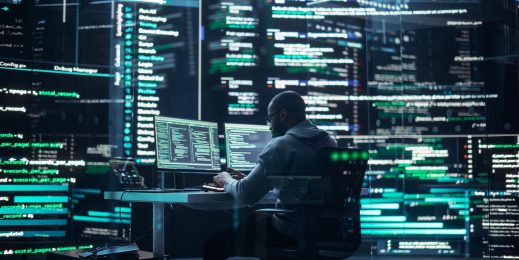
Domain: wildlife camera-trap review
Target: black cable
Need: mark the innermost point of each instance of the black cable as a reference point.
(143, 235)
(109, 244)
(129, 230)
(147, 232)
(120, 213)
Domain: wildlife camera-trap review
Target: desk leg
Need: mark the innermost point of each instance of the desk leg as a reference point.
(158, 228)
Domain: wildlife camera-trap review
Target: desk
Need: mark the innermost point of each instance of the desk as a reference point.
(193, 199)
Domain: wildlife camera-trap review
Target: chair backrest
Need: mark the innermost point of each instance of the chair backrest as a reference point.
(298, 190)
(335, 186)
(337, 228)
(329, 200)
(343, 172)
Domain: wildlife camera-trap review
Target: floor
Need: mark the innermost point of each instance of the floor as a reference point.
(374, 258)
(42, 257)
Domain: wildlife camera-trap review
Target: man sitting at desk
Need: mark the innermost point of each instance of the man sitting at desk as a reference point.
(291, 152)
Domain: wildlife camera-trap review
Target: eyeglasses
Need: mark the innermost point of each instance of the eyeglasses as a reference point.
(268, 118)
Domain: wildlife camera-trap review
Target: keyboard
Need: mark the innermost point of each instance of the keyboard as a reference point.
(167, 190)
(212, 187)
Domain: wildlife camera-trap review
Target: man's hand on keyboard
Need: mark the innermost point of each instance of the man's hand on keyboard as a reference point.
(221, 178)
(235, 174)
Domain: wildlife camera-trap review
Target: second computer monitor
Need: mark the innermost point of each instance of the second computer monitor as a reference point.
(184, 144)
(244, 143)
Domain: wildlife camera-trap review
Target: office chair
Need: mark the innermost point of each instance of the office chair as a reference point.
(330, 203)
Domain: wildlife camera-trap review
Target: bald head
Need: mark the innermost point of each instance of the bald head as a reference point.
(292, 102)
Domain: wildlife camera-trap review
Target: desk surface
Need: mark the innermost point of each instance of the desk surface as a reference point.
(188, 197)
(196, 199)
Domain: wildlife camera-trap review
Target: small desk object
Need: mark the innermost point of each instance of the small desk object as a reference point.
(74, 254)
(194, 199)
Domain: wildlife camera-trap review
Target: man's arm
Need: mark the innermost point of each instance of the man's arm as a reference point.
(255, 185)
(249, 189)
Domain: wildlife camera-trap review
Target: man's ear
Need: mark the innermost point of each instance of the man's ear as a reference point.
(283, 114)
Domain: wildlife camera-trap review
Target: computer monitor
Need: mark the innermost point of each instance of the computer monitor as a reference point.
(186, 145)
(244, 143)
